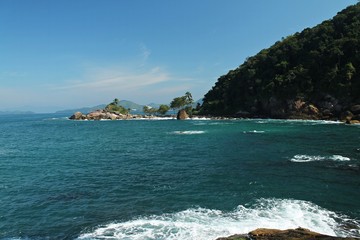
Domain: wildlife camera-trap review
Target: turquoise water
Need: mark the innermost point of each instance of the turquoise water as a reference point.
(168, 179)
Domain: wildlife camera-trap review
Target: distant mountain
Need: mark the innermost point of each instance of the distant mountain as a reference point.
(312, 74)
(153, 105)
(131, 105)
(84, 110)
(134, 107)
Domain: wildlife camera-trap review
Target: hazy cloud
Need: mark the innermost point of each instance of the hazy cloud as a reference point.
(116, 79)
(145, 52)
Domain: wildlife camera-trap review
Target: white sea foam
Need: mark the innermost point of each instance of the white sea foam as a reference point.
(211, 123)
(254, 131)
(188, 132)
(201, 223)
(310, 122)
(221, 123)
(56, 118)
(200, 118)
(261, 121)
(154, 118)
(306, 158)
(339, 158)
(312, 158)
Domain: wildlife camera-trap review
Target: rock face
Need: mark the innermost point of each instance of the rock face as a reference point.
(182, 115)
(290, 234)
(325, 108)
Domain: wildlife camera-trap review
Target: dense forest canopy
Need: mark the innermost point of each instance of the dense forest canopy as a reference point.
(320, 65)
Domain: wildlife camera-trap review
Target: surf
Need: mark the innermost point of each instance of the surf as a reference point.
(301, 158)
(202, 223)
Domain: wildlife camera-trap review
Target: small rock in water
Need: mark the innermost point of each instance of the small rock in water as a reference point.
(290, 234)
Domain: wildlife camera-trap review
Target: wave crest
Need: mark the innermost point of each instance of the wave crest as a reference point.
(188, 132)
(202, 223)
(312, 158)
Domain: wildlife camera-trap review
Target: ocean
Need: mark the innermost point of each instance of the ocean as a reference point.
(169, 179)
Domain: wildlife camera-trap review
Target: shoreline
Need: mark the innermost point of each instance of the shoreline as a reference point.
(102, 115)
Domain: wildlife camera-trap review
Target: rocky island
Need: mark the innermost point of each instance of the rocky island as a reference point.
(114, 111)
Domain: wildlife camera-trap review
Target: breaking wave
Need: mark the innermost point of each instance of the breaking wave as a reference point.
(308, 122)
(187, 132)
(253, 132)
(202, 223)
(312, 158)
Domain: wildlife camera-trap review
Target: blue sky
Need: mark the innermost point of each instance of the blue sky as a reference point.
(66, 54)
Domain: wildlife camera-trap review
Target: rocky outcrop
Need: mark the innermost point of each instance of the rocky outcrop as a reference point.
(111, 115)
(182, 115)
(77, 116)
(290, 234)
(324, 108)
(100, 115)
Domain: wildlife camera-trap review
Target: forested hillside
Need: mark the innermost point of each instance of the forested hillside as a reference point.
(311, 74)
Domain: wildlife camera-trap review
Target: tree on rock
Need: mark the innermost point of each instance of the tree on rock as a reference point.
(183, 103)
(116, 101)
(188, 99)
(178, 103)
(116, 108)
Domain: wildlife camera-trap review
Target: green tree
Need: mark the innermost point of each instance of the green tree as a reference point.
(116, 101)
(309, 65)
(147, 109)
(350, 71)
(115, 108)
(163, 109)
(188, 98)
(178, 103)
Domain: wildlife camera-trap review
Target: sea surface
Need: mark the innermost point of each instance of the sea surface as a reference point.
(168, 179)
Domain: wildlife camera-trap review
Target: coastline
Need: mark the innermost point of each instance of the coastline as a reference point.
(103, 115)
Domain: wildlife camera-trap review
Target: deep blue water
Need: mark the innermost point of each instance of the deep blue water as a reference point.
(168, 179)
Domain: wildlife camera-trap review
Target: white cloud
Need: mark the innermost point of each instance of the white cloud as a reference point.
(141, 85)
(116, 79)
(132, 80)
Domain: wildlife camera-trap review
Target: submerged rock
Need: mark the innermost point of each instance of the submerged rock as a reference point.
(275, 234)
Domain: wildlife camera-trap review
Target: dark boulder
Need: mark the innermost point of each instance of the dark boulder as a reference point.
(346, 116)
(77, 116)
(182, 115)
